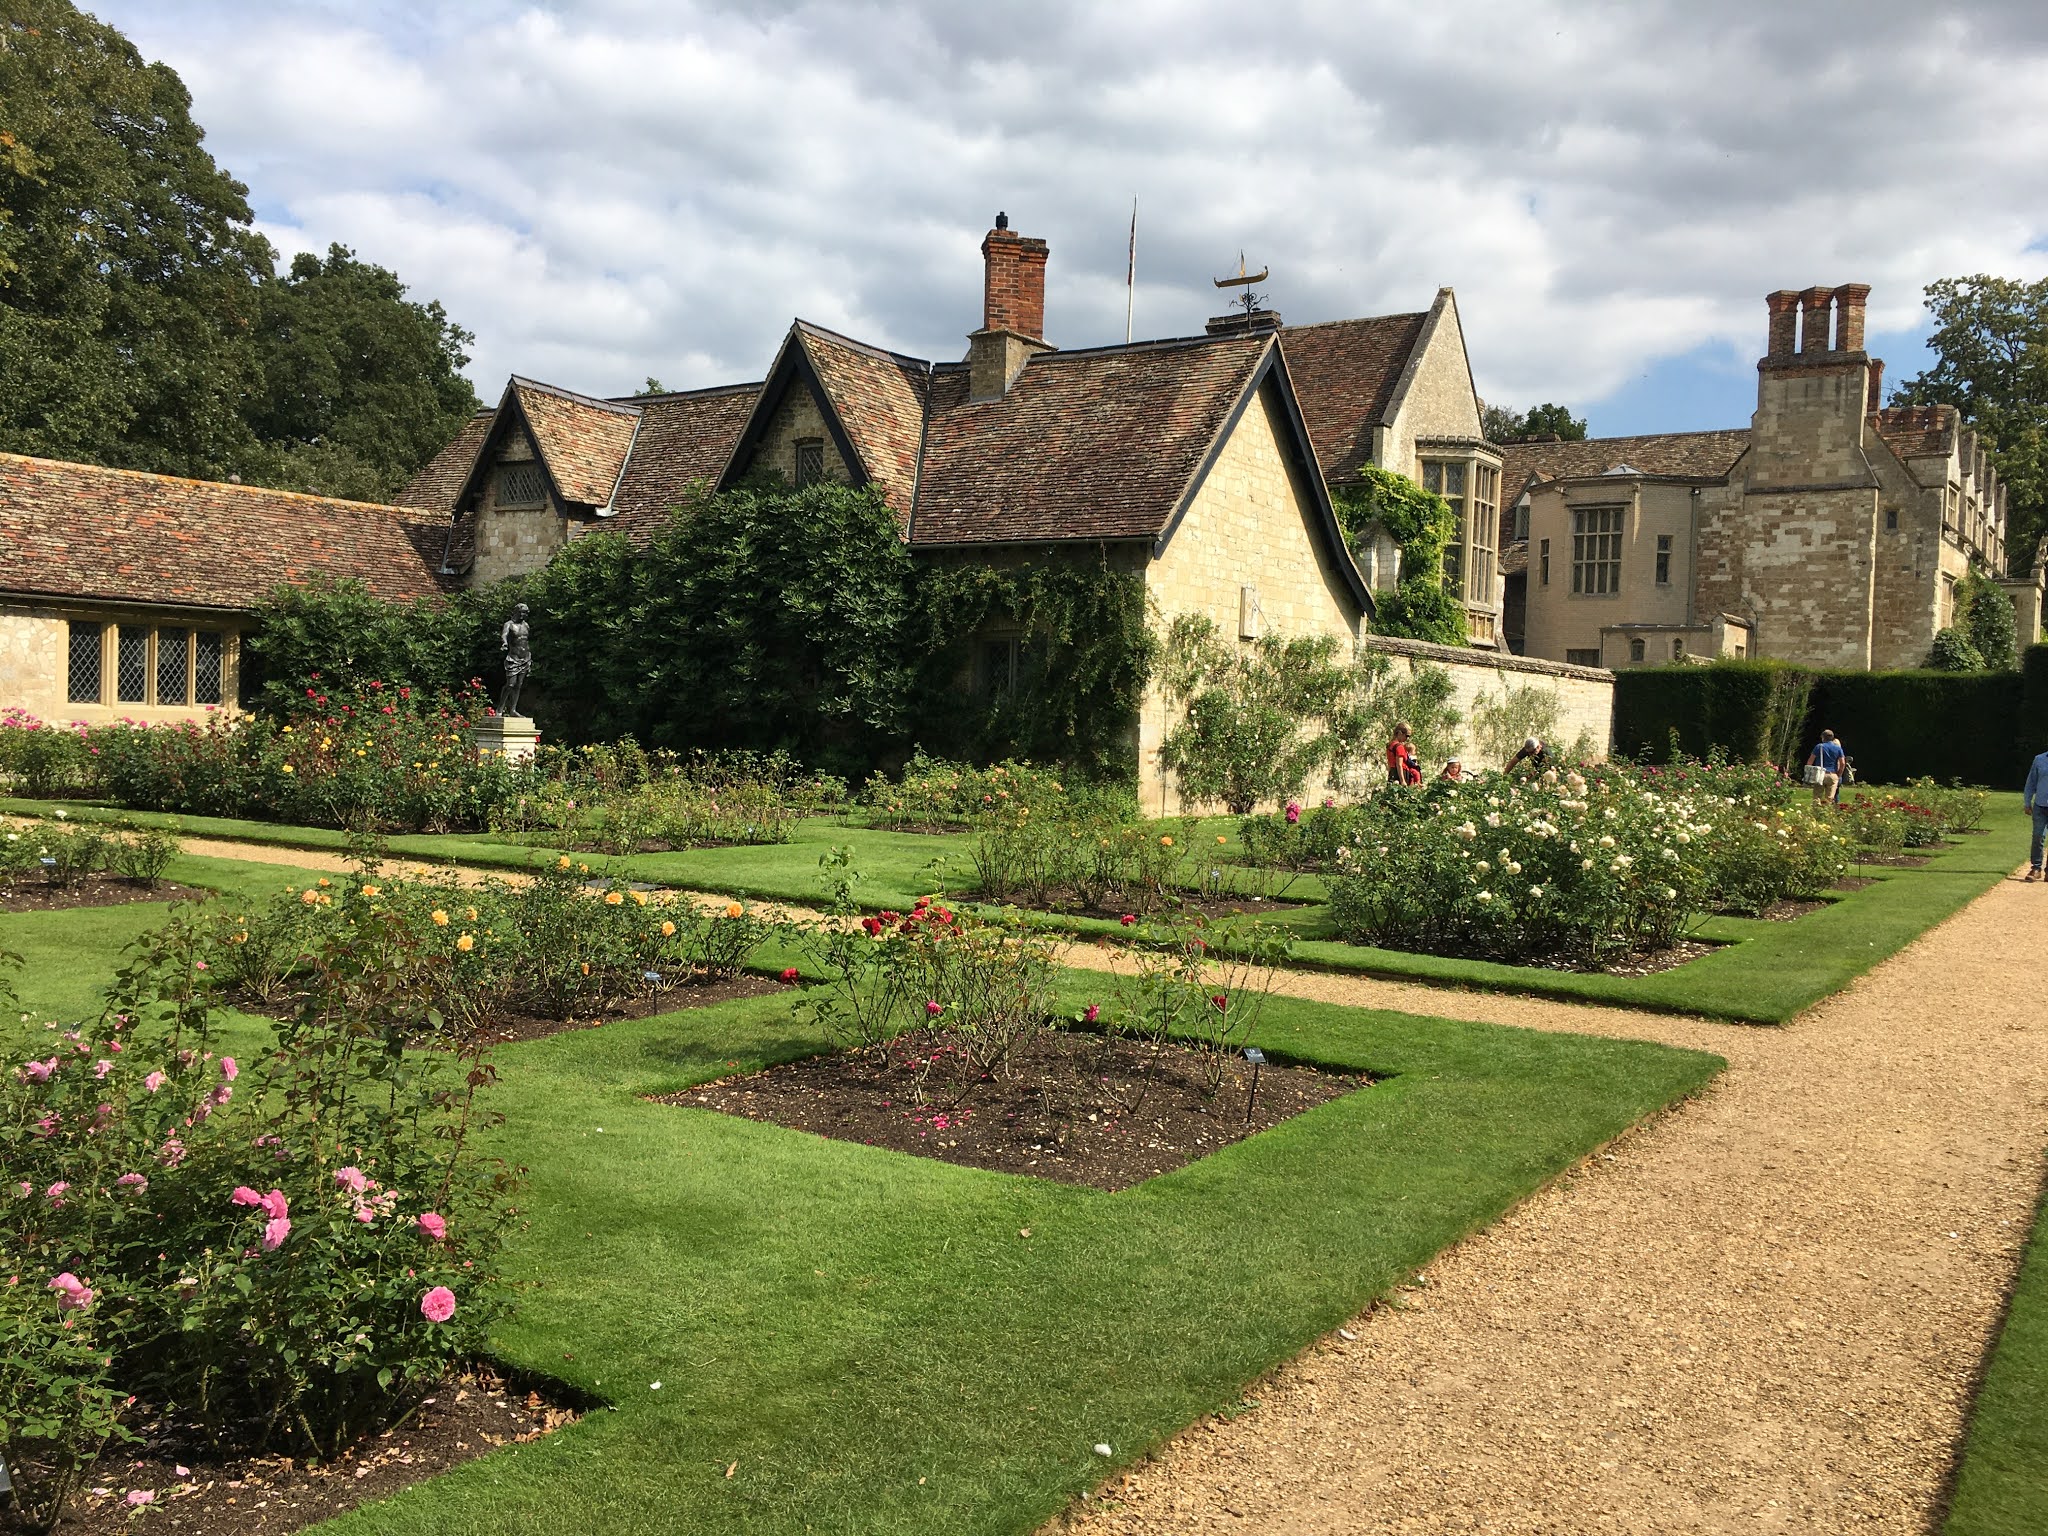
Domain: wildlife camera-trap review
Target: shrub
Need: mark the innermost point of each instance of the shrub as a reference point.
(299, 1243)
(42, 760)
(1247, 730)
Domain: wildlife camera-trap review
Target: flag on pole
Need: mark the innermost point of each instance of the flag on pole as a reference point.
(1131, 274)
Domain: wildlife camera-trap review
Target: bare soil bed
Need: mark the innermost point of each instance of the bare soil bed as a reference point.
(199, 1491)
(38, 895)
(1187, 904)
(1074, 1106)
(1789, 910)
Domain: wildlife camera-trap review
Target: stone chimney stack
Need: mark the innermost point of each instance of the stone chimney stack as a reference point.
(1849, 301)
(1814, 305)
(1876, 399)
(1012, 311)
(1784, 306)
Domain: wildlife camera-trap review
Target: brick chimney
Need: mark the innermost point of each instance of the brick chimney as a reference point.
(1012, 311)
(1814, 304)
(1849, 301)
(1784, 307)
(1876, 401)
(1260, 322)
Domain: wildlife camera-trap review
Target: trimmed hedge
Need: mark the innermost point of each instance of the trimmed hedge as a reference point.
(1979, 727)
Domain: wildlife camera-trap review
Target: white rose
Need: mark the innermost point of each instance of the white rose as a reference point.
(1606, 842)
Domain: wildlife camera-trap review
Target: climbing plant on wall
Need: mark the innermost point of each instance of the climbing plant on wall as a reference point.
(1423, 525)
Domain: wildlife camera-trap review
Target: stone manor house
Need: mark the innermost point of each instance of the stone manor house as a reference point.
(1833, 530)
(1204, 462)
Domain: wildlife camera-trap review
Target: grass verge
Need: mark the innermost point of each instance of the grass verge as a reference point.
(2001, 1487)
(846, 1339)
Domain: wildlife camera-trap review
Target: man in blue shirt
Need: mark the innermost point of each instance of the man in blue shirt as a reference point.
(1828, 758)
(2036, 801)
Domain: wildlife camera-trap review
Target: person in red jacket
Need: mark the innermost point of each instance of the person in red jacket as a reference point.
(1401, 765)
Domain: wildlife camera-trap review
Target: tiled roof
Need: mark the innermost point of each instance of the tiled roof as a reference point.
(880, 400)
(77, 530)
(584, 441)
(683, 437)
(1098, 444)
(436, 486)
(1680, 455)
(1514, 558)
(1917, 431)
(1344, 372)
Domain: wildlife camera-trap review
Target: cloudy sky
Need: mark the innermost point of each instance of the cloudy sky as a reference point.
(607, 189)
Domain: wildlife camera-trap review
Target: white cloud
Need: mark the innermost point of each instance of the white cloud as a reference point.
(616, 188)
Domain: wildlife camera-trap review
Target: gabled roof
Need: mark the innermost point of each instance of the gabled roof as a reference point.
(583, 441)
(684, 437)
(1917, 431)
(436, 487)
(880, 398)
(1662, 455)
(1348, 373)
(115, 535)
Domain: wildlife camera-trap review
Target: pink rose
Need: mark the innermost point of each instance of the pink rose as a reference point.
(102, 1068)
(365, 1214)
(435, 1227)
(154, 1081)
(55, 1193)
(933, 1010)
(220, 1096)
(1092, 1012)
(275, 1231)
(39, 1071)
(134, 1181)
(354, 1180)
(244, 1195)
(171, 1153)
(438, 1305)
(1293, 813)
(276, 1206)
(228, 1069)
(73, 1294)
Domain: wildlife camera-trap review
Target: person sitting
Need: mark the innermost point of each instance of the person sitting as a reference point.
(1401, 765)
(1828, 757)
(1533, 752)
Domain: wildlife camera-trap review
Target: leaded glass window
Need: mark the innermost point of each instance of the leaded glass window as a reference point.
(131, 666)
(522, 485)
(207, 655)
(1596, 551)
(173, 651)
(810, 460)
(87, 663)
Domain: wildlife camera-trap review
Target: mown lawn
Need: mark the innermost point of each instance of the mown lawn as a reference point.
(2002, 1485)
(865, 1338)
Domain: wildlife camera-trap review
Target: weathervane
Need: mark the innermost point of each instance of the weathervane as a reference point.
(1249, 299)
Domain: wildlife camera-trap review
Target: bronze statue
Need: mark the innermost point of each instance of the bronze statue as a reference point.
(518, 659)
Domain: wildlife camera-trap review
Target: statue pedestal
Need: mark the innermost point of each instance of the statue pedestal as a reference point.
(512, 737)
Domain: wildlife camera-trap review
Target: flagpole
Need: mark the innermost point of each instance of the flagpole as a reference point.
(1131, 274)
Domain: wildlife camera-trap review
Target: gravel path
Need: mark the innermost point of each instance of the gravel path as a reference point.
(1763, 1311)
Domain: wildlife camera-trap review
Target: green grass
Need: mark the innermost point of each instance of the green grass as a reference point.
(2001, 1488)
(866, 1334)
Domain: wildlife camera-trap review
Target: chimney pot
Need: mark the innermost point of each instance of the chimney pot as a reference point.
(1784, 308)
(1002, 220)
(1849, 301)
(1814, 304)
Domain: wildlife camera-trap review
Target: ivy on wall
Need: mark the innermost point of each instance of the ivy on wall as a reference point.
(1424, 526)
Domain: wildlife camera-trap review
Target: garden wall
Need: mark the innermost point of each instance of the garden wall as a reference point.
(1585, 695)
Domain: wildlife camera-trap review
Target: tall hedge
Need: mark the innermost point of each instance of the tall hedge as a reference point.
(1978, 727)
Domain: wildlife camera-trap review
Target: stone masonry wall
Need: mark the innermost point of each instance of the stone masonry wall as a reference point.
(799, 416)
(1439, 402)
(32, 663)
(1802, 565)
(1250, 524)
(1585, 695)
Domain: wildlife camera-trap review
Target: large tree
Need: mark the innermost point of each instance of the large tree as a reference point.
(1990, 344)
(129, 271)
(359, 385)
(1505, 424)
(142, 320)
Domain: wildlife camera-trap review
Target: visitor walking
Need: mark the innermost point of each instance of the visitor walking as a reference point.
(2035, 799)
(1401, 765)
(1828, 758)
(1533, 752)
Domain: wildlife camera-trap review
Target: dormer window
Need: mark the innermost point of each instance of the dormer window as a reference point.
(810, 461)
(522, 485)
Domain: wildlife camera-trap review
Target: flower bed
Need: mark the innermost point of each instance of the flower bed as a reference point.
(55, 864)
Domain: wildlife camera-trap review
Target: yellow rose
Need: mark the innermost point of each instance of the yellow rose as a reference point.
(470, 913)
(287, 767)
(1166, 842)
(466, 943)
(639, 898)
(311, 898)
(734, 909)
(369, 890)
(1221, 839)
(668, 930)
(325, 882)
(614, 899)
(562, 862)
(440, 918)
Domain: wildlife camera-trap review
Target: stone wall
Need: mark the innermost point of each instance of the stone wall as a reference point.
(515, 541)
(1438, 401)
(1585, 695)
(1250, 526)
(799, 416)
(35, 664)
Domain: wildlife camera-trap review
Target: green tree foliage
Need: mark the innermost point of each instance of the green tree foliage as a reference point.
(142, 321)
(1985, 613)
(1990, 344)
(1423, 525)
(335, 637)
(129, 272)
(1952, 651)
(359, 386)
(1504, 424)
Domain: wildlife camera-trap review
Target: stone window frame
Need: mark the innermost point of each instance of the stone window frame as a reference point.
(1472, 486)
(1582, 656)
(1663, 559)
(1543, 562)
(1596, 550)
(1638, 649)
(1678, 648)
(194, 638)
(519, 485)
(808, 461)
